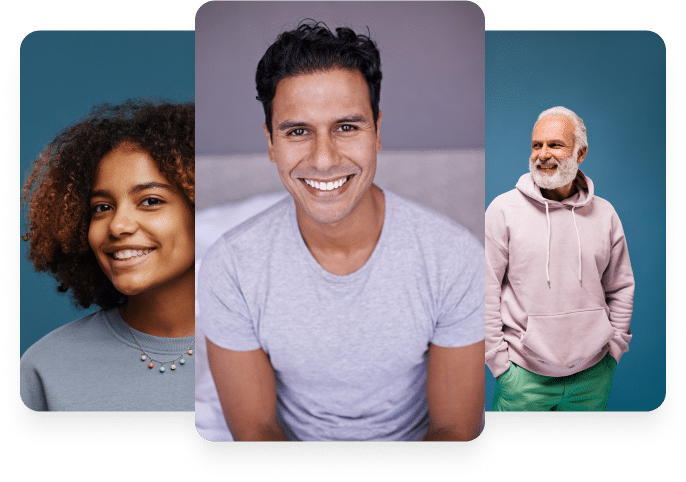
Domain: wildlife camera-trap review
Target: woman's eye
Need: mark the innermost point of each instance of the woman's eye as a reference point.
(151, 201)
(100, 208)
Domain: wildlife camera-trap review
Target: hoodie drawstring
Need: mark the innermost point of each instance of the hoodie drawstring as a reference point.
(578, 240)
(547, 257)
(547, 253)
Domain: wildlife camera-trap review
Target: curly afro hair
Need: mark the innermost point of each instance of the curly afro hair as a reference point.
(58, 188)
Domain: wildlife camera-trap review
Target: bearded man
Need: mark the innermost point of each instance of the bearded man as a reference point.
(559, 285)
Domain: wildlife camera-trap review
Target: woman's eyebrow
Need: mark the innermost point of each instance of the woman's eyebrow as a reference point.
(134, 190)
(148, 185)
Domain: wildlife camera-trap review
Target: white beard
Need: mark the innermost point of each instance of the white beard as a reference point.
(563, 175)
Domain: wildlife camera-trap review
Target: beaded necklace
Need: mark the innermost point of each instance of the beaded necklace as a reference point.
(145, 355)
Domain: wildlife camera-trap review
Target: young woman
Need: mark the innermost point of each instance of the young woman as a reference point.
(111, 204)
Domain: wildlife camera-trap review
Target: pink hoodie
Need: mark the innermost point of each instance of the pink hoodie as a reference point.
(559, 285)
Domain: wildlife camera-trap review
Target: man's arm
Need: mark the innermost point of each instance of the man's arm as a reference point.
(247, 392)
(618, 283)
(497, 259)
(455, 392)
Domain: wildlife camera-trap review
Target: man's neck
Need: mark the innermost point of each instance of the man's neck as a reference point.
(344, 247)
(561, 193)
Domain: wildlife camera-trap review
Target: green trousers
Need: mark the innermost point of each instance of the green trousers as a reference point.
(518, 389)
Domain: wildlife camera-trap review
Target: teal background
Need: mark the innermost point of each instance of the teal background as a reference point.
(630, 455)
(616, 82)
(63, 75)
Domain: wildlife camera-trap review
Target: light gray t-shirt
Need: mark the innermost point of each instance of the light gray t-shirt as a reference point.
(349, 352)
(94, 363)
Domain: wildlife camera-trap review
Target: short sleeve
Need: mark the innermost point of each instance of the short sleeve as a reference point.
(225, 317)
(461, 305)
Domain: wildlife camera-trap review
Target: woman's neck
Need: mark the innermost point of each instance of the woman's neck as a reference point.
(166, 311)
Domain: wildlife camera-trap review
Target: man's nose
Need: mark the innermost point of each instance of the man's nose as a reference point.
(544, 153)
(325, 153)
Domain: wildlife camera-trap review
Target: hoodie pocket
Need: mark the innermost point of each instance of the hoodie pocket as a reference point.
(566, 340)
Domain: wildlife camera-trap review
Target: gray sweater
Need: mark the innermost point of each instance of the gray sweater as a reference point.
(95, 364)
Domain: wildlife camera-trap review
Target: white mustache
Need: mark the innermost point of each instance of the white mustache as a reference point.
(541, 163)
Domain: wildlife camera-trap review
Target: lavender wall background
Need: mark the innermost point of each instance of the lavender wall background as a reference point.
(432, 56)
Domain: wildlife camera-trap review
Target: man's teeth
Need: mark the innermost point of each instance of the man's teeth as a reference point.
(326, 186)
(130, 253)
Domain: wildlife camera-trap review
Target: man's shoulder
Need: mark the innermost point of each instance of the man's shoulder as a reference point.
(603, 204)
(604, 213)
(262, 223)
(257, 232)
(502, 201)
(427, 224)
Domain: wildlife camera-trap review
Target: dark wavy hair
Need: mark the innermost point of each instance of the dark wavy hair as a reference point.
(58, 189)
(310, 48)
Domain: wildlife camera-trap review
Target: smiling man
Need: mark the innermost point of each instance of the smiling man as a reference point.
(559, 285)
(344, 312)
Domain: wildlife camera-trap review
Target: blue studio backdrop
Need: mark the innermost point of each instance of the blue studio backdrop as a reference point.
(63, 76)
(615, 81)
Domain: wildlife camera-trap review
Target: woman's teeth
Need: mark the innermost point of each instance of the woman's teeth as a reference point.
(130, 253)
(326, 186)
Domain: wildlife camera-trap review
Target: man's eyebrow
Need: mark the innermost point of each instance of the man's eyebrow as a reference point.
(290, 124)
(348, 119)
(549, 141)
(134, 190)
(352, 119)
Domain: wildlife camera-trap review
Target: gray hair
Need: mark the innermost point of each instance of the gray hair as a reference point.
(580, 140)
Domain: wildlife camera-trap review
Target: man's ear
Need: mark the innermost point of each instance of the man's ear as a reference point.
(582, 154)
(269, 143)
(378, 132)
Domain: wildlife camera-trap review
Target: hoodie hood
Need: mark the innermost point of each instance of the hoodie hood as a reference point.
(582, 197)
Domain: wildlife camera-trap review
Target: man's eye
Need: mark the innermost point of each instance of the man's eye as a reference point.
(347, 128)
(151, 201)
(100, 208)
(297, 132)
